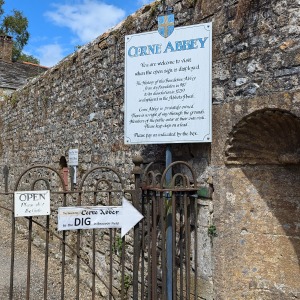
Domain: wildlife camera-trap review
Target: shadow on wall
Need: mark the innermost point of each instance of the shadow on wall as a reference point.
(265, 147)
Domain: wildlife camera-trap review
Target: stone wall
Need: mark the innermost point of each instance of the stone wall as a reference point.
(6, 45)
(256, 198)
(256, 65)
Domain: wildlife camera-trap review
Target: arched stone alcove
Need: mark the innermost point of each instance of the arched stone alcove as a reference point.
(267, 137)
(261, 206)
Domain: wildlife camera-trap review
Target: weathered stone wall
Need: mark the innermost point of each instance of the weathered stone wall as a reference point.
(256, 198)
(6, 45)
(256, 65)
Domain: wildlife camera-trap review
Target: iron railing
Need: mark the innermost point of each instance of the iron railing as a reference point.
(98, 263)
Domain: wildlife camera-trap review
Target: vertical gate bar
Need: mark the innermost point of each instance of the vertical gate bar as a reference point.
(123, 269)
(149, 225)
(78, 255)
(143, 250)
(181, 239)
(170, 225)
(137, 171)
(12, 252)
(63, 264)
(78, 265)
(46, 257)
(154, 243)
(196, 248)
(111, 238)
(29, 258)
(94, 254)
(163, 246)
(187, 219)
(94, 265)
(111, 242)
(174, 274)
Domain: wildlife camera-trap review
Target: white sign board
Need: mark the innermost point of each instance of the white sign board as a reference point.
(73, 157)
(32, 203)
(168, 86)
(91, 217)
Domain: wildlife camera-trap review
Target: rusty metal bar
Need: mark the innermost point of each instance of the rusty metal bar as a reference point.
(174, 246)
(63, 262)
(153, 249)
(137, 171)
(12, 252)
(187, 220)
(181, 240)
(46, 258)
(78, 233)
(78, 265)
(196, 249)
(29, 258)
(149, 225)
(163, 245)
(111, 241)
(170, 225)
(172, 189)
(123, 269)
(94, 255)
(75, 192)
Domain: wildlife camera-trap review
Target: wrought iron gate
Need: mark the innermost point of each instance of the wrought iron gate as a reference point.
(168, 236)
(99, 264)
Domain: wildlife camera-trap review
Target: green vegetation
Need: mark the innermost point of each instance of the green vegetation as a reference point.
(118, 245)
(77, 47)
(16, 26)
(11, 99)
(28, 58)
(212, 231)
(127, 282)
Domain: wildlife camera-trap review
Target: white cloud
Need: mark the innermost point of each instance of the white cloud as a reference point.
(50, 54)
(87, 19)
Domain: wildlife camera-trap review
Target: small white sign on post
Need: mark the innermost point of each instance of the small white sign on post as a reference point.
(32, 203)
(91, 217)
(73, 157)
(168, 86)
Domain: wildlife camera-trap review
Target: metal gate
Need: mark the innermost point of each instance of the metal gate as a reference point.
(168, 233)
(158, 260)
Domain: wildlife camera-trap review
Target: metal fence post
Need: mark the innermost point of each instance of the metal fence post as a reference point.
(169, 242)
(137, 171)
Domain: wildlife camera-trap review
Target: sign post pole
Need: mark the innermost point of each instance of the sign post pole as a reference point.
(169, 242)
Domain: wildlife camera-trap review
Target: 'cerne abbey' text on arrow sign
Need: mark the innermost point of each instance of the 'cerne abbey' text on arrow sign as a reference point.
(91, 217)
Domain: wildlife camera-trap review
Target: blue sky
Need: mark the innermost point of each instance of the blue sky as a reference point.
(56, 27)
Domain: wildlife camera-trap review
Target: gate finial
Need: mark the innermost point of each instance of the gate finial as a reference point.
(137, 160)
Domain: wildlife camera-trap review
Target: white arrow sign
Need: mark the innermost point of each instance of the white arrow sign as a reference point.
(91, 217)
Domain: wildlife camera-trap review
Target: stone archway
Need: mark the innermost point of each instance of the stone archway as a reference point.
(262, 206)
(267, 136)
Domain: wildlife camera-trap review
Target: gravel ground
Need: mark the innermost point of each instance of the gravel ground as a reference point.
(20, 267)
(37, 271)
